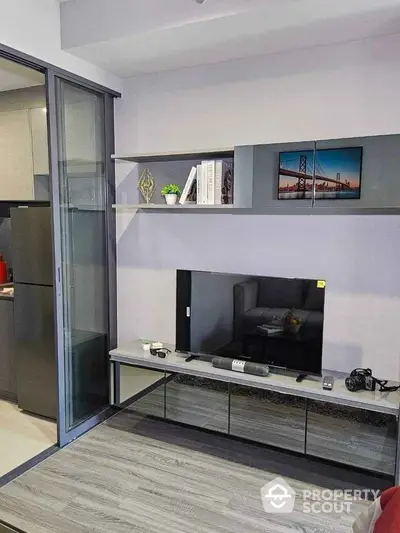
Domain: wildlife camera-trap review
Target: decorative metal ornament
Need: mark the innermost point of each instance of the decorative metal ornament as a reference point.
(146, 185)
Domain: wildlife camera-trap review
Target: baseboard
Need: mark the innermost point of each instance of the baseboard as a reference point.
(21, 469)
(9, 397)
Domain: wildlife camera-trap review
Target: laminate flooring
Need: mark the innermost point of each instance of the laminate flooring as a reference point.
(22, 436)
(137, 474)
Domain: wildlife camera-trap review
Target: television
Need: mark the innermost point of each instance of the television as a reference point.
(276, 321)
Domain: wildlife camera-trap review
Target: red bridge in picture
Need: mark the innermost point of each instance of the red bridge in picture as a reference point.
(303, 177)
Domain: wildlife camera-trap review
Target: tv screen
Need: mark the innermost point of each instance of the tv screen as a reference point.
(277, 321)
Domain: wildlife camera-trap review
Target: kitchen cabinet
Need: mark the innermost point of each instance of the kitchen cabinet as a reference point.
(8, 380)
(40, 153)
(16, 163)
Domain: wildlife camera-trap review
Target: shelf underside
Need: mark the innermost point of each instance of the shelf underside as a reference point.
(225, 153)
(231, 209)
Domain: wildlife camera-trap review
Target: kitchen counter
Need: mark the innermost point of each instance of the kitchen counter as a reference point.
(7, 295)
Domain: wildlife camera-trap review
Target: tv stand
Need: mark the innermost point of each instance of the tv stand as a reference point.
(274, 411)
(300, 378)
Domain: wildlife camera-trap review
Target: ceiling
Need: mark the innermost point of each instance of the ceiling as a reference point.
(130, 37)
(15, 76)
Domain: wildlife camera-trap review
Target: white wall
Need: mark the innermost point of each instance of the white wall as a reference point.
(33, 27)
(357, 256)
(338, 91)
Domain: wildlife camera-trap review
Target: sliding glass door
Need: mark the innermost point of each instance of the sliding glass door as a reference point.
(80, 194)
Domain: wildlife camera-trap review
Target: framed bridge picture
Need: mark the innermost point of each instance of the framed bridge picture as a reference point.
(337, 174)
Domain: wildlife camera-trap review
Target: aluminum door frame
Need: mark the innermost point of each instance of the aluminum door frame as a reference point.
(67, 435)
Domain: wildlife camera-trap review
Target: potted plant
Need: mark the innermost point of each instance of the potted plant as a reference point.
(171, 193)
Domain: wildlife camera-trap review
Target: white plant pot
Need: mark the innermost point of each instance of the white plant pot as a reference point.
(171, 199)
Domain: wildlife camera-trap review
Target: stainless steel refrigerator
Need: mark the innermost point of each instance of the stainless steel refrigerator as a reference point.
(32, 261)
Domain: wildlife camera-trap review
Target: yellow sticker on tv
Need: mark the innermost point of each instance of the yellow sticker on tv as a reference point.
(321, 284)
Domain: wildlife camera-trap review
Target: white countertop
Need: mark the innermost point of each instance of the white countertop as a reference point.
(381, 402)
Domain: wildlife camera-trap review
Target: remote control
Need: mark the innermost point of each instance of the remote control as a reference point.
(327, 382)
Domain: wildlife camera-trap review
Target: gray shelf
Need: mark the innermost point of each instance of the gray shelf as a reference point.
(232, 210)
(223, 153)
(177, 207)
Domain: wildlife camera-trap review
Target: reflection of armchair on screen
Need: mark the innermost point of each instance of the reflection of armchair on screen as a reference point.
(258, 302)
(244, 299)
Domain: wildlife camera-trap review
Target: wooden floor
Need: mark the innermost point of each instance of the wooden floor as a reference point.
(136, 474)
(22, 436)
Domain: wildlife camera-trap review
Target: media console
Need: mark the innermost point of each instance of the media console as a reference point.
(357, 429)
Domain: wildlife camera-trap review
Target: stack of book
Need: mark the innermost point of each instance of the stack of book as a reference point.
(214, 183)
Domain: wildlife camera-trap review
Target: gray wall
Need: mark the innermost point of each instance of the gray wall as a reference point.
(355, 254)
(380, 172)
(212, 310)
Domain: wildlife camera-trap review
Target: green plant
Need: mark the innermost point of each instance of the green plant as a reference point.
(172, 188)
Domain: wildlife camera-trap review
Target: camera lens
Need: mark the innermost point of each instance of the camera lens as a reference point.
(350, 384)
(355, 383)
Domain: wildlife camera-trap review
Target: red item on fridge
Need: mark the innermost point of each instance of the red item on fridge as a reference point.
(3, 271)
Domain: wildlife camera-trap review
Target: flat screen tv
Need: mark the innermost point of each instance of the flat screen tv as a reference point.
(277, 321)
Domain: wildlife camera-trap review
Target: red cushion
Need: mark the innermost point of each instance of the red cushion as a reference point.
(389, 521)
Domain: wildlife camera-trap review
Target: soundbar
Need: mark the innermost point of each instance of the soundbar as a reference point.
(257, 369)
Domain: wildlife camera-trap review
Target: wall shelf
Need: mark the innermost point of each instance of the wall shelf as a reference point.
(231, 209)
(222, 153)
(176, 207)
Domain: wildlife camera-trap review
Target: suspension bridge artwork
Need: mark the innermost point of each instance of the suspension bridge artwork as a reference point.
(337, 174)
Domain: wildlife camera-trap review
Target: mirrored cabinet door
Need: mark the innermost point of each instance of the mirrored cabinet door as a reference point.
(198, 401)
(351, 436)
(150, 403)
(358, 172)
(268, 417)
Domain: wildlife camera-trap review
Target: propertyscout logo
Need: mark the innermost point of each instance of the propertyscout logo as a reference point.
(278, 497)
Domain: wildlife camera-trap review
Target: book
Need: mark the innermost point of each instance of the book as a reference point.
(199, 183)
(210, 182)
(219, 169)
(227, 183)
(204, 183)
(188, 185)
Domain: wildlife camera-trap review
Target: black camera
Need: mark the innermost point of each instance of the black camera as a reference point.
(361, 379)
